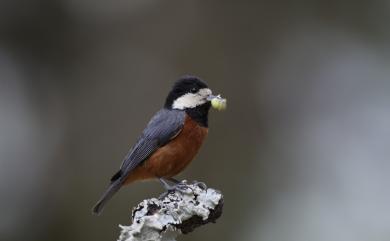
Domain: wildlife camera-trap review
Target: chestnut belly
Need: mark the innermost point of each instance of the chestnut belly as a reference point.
(171, 159)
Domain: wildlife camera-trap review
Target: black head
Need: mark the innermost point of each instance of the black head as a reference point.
(187, 92)
(190, 94)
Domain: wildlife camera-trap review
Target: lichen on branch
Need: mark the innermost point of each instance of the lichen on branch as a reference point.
(178, 212)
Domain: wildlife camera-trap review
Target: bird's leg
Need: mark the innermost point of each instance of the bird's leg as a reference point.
(202, 185)
(183, 183)
(166, 185)
(174, 180)
(177, 186)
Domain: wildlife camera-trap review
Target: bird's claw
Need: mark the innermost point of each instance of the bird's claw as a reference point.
(202, 185)
(179, 187)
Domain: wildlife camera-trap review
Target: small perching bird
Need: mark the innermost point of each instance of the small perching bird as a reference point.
(171, 139)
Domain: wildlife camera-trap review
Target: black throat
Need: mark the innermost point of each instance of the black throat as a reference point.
(200, 114)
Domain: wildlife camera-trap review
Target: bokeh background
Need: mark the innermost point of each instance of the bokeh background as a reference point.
(302, 152)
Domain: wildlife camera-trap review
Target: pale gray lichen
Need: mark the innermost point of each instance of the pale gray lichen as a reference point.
(176, 213)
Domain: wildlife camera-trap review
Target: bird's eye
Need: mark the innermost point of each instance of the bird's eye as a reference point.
(194, 90)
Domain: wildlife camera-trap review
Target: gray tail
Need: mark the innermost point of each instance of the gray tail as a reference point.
(111, 190)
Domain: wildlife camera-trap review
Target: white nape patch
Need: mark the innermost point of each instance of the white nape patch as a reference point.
(191, 100)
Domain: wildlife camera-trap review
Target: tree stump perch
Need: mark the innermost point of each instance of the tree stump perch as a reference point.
(178, 212)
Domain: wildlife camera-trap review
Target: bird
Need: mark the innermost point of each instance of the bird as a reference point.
(170, 141)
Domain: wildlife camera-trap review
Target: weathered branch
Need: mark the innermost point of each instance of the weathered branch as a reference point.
(178, 212)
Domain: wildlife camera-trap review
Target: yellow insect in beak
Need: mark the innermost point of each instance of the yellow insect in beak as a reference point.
(218, 103)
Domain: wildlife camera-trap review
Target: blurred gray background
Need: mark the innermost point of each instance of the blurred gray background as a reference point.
(302, 152)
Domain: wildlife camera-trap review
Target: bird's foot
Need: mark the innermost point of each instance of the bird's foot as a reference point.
(180, 186)
(202, 185)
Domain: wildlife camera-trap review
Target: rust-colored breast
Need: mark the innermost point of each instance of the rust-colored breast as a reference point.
(172, 158)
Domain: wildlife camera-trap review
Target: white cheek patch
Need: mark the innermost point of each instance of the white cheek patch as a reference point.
(191, 100)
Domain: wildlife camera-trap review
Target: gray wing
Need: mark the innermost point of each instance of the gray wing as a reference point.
(164, 126)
